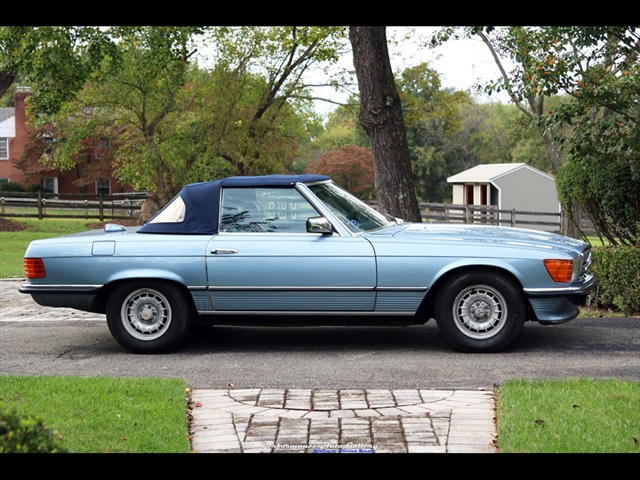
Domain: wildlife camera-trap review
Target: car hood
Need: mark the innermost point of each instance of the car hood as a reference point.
(491, 234)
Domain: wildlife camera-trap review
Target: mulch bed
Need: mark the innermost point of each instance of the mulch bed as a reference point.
(7, 225)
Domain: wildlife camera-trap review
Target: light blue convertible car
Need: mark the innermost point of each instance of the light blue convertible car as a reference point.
(300, 250)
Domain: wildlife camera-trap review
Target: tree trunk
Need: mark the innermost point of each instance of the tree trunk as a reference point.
(382, 120)
(6, 80)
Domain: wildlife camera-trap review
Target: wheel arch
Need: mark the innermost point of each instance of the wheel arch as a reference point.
(102, 298)
(426, 310)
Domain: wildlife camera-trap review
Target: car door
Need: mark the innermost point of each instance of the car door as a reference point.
(263, 259)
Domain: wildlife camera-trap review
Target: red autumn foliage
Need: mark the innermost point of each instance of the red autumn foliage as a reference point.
(351, 167)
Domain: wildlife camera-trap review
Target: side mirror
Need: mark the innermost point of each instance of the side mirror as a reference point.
(319, 225)
(114, 228)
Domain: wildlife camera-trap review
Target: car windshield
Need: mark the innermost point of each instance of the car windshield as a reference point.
(356, 215)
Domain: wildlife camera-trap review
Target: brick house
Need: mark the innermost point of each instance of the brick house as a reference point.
(15, 134)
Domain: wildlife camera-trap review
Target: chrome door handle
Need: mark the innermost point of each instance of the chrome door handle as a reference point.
(223, 251)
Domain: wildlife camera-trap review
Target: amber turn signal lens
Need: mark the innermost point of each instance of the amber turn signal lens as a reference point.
(560, 270)
(34, 268)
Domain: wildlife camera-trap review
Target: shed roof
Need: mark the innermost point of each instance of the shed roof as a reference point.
(491, 171)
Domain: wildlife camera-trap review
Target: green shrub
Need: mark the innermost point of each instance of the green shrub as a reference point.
(24, 434)
(618, 272)
(11, 187)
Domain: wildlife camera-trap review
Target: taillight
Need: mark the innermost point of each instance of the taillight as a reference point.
(34, 268)
(560, 270)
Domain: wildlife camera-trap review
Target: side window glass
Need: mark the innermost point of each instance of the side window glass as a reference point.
(174, 212)
(270, 210)
(240, 211)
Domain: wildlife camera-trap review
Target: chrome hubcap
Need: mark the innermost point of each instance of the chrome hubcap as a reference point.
(146, 314)
(480, 311)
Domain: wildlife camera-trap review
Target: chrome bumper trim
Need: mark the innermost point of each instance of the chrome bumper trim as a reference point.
(588, 284)
(41, 288)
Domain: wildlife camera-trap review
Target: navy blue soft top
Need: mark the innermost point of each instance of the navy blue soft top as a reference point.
(202, 202)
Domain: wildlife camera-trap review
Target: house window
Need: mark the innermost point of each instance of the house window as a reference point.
(47, 137)
(50, 184)
(103, 186)
(4, 148)
(102, 146)
(4, 180)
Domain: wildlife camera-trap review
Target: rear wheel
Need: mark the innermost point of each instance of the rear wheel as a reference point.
(480, 312)
(148, 316)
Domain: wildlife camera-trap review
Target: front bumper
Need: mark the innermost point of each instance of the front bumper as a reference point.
(582, 289)
(552, 306)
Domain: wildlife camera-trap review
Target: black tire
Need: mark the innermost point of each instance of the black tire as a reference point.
(148, 316)
(480, 312)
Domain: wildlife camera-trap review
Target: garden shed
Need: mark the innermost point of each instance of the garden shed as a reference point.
(510, 188)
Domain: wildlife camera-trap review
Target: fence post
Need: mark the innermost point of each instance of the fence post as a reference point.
(100, 207)
(466, 214)
(513, 217)
(40, 204)
(2, 203)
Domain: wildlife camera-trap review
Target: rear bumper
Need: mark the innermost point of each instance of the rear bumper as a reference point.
(79, 297)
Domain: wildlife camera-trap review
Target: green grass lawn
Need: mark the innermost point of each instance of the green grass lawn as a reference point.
(103, 414)
(569, 416)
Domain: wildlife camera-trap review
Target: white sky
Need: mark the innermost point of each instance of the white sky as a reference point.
(460, 63)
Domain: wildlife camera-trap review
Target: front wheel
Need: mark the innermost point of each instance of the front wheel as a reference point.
(479, 312)
(148, 316)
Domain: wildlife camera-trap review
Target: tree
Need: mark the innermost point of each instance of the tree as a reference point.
(597, 70)
(55, 61)
(259, 104)
(172, 122)
(350, 166)
(342, 128)
(382, 120)
(136, 94)
(250, 144)
(432, 117)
